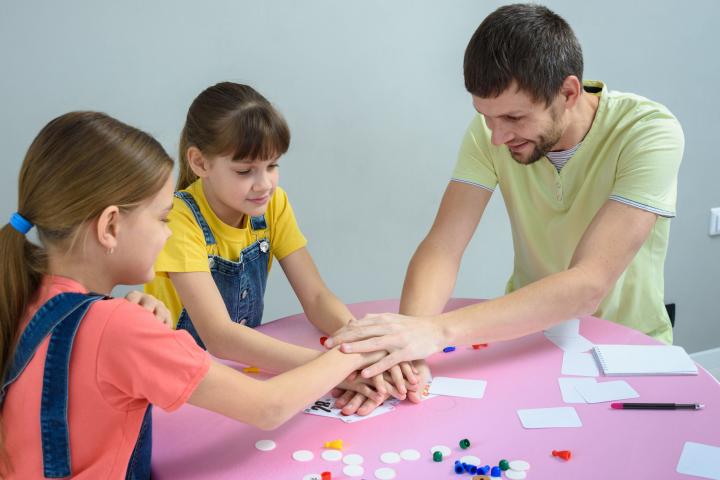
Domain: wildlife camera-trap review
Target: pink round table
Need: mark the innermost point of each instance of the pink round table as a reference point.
(196, 444)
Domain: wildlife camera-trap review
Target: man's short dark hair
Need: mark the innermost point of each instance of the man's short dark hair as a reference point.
(527, 43)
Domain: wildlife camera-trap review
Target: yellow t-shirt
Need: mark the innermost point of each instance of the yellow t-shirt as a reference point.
(631, 154)
(186, 250)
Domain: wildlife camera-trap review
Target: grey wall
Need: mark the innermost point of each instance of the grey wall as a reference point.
(374, 96)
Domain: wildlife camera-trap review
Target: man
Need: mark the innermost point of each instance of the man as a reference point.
(589, 180)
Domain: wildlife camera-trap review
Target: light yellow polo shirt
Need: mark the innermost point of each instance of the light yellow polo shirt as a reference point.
(186, 251)
(631, 154)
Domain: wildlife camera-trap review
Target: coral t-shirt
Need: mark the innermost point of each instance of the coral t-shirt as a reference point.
(122, 359)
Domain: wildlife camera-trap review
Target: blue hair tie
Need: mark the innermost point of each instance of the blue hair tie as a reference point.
(20, 223)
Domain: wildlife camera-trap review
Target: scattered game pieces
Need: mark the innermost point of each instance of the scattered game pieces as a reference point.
(303, 455)
(464, 443)
(477, 346)
(390, 457)
(265, 445)
(251, 370)
(437, 456)
(353, 459)
(519, 465)
(448, 349)
(442, 449)
(323, 340)
(353, 470)
(326, 476)
(410, 455)
(564, 454)
(515, 475)
(471, 459)
(385, 473)
(331, 455)
(503, 464)
(336, 444)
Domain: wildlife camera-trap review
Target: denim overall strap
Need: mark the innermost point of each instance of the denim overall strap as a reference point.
(193, 206)
(60, 318)
(258, 223)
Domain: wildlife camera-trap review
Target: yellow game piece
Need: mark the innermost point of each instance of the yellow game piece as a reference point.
(251, 369)
(336, 444)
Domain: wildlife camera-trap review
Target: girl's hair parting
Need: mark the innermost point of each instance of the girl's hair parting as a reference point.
(231, 119)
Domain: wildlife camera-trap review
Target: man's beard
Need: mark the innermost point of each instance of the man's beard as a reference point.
(545, 142)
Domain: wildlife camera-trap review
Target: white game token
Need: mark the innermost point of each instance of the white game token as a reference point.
(385, 473)
(332, 455)
(390, 457)
(353, 459)
(471, 460)
(303, 455)
(353, 470)
(265, 445)
(515, 474)
(442, 449)
(312, 476)
(410, 454)
(519, 465)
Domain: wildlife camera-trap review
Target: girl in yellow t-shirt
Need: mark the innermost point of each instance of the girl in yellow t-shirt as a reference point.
(229, 220)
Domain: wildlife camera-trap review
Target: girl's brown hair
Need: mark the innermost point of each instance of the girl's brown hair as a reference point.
(231, 119)
(79, 164)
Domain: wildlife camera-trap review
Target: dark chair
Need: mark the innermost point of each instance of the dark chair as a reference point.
(670, 307)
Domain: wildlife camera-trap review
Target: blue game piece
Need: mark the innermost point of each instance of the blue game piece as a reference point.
(484, 470)
(458, 467)
(496, 472)
(448, 349)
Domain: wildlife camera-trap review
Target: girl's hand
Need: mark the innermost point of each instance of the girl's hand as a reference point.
(355, 403)
(399, 381)
(152, 305)
(424, 377)
(404, 338)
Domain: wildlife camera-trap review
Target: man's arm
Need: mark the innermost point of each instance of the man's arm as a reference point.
(432, 272)
(606, 249)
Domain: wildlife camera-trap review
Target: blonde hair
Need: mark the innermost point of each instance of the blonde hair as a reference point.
(231, 119)
(79, 164)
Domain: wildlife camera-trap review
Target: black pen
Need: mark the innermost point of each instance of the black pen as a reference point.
(657, 406)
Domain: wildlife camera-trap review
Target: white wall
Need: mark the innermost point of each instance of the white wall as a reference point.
(374, 95)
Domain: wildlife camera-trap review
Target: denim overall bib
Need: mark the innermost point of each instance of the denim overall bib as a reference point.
(60, 318)
(241, 283)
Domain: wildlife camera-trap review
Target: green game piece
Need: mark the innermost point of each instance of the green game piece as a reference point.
(437, 457)
(504, 465)
(464, 443)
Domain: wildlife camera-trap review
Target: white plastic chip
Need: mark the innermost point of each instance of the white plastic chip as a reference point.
(442, 449)
(303, 455)
(353, 459)
(390, 457)
(265, 445)
(515, 474)
(353, 470)
(332, 455)
(312, 476)
(385, 473)
(410, 454)
(519, 465)
(471, 460)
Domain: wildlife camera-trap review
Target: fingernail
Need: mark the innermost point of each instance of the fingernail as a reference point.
(329, 343)
(345, 348)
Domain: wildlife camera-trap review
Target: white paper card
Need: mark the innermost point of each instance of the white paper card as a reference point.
(571, 344)
(568, 391)
(570, 328)
(558, 417)
(458, 387)
(582, 364)
(700, 460)
(606, 391)
(325, 407)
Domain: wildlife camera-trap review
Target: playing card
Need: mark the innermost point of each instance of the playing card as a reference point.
(325, 407)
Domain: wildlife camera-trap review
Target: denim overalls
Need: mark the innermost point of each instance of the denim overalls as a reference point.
(241, 283)
(60, 318)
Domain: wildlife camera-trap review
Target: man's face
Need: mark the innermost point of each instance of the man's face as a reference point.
(529, 129)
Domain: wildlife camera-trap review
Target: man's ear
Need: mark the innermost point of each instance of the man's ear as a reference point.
(571, 91)
(108, 227)
(197, 161)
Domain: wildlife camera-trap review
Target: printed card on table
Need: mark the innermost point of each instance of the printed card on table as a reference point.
(325, 407)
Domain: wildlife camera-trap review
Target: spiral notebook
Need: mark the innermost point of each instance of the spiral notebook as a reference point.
(644, 360)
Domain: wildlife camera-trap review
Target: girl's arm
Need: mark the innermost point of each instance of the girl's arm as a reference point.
(226, 339)
(321, 306)
(268, 404)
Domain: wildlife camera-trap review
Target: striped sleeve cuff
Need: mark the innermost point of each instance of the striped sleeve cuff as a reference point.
(642, 206)
(475, 184)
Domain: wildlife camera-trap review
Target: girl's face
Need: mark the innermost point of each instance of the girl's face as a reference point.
(235, 188)
(142, 234)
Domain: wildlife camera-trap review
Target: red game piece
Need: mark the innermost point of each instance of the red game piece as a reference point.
(322, 342)
(326, 476)
(564, 454)
(479, 345)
